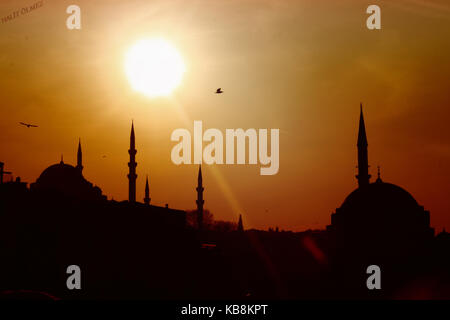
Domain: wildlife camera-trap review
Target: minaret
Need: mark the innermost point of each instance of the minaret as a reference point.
(363, 175)
(200, 200)
(132, 171)
(79, 157)
(147, 192)
(240, 227)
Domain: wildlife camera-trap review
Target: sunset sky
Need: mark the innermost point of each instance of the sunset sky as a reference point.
(300, 66)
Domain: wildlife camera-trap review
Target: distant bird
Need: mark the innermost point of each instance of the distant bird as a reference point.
(28, 125)
(219, 91)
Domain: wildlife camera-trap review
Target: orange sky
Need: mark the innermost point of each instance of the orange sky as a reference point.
(300, 66)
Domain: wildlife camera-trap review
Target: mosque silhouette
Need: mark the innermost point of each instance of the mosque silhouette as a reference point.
(381, 215)
(62, 179)
(136, 250)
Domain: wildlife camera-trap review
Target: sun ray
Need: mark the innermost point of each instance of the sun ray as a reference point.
(227, 191)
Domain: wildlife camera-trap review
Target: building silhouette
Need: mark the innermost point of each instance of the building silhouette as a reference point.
(63, 179)
(2, 172)
(379, 213)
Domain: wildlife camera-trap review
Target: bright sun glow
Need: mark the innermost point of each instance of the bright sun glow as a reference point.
(154, 67)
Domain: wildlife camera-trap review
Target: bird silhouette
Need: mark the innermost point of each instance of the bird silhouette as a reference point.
(28, 125)
(219, 91)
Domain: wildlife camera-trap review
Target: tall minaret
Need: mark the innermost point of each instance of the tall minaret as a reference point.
(363, 175)
(200, 200)
(132, 171)
(147, 193)
(79, 157)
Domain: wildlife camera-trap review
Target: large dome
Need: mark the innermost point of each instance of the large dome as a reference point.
(380, 195)
(380, 209)
(68, 180)
(60, 174)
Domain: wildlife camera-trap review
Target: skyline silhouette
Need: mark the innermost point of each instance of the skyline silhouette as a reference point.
(275, 75)
(63, 217)
(363, 176)
(53, 177)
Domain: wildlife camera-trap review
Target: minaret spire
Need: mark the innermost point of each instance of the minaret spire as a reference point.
(363, 175)
(240, 227)
(379, 174)
(79, 157)
(132, 176)
(147, 192)
(200, 200)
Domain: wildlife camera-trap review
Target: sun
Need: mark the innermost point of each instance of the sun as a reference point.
(154, 67)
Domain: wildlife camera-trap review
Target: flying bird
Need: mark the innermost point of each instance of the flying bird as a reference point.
(219, 91)
(28, 125)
